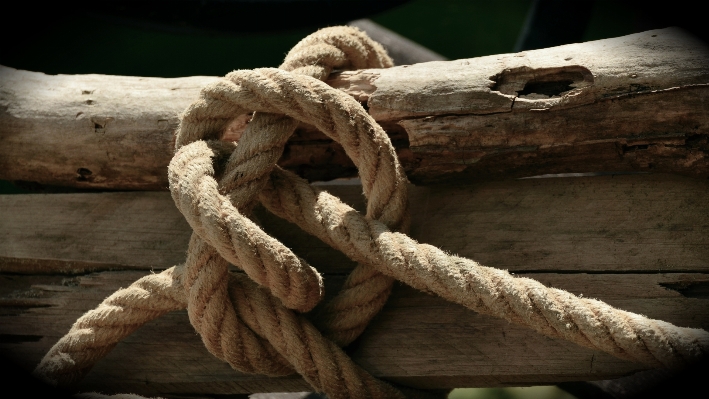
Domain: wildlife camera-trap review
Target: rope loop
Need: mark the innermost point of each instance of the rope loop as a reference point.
(281, 100)
(252, 320)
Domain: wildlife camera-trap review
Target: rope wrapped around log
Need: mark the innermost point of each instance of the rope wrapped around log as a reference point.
(252, 320)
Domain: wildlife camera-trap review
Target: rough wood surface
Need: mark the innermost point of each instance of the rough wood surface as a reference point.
(652, 223)
(635, 103)
(417, 340)
(638, 242)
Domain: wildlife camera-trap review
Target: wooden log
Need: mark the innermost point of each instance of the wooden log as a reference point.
(634, 103)
(638, 242)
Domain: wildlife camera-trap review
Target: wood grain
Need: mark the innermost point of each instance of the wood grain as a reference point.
(634, 103)
(417, 340)
(628, 134)
(638, 242)
(652, 223)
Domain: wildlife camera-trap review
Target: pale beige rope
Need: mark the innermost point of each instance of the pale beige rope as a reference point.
(95, 333)
(200, 200)
(203, 205)
(242, 236)
(410, 257)
(210, 315)
(268, 90)
(317, 359)
(547, 311)
(553, 312)
(321, 362)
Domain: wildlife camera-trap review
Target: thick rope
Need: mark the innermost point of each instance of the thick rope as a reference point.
(211, 315)
(254, 329)
(95, 333)
(262, 145)
(553, 312)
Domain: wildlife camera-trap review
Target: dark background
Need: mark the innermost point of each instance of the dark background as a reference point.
(215, 37)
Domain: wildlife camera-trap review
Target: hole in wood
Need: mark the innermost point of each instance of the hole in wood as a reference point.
(83, 174)
(689, 289)
(541, 83)
(549, 89)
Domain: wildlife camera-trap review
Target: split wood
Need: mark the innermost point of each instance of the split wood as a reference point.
(252, 320)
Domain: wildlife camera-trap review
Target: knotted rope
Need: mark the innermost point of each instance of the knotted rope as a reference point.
(252, 320)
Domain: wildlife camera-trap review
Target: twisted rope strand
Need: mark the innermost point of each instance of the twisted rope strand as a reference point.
(321, 362)
(235, 237)
(95, 333)
(552, 312)
(311, 101)
(211, 313)
(334, 113)
(204, 281)
(250, 324)
(99, 330)
(202, 202)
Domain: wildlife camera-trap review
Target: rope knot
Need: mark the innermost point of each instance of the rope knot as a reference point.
(214, 185)
(249, 320)
(280, 99)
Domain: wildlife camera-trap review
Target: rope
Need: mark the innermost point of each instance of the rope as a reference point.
(252, 320)
(553, 312)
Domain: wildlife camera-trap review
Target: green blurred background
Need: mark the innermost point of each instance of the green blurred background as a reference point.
(77, 44)
(454, 28)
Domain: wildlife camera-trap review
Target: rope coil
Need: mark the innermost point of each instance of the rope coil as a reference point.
(252, 321)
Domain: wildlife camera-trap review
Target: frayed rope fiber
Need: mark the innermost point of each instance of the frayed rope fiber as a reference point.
(253, 320)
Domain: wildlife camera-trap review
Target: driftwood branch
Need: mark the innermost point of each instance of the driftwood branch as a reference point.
(634, 103)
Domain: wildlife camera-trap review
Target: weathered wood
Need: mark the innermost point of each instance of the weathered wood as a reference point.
(417, 340)
(90, 130)
(651, 223)
(638, 242)
(637, 103)
(619, 134)
(76, 233)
